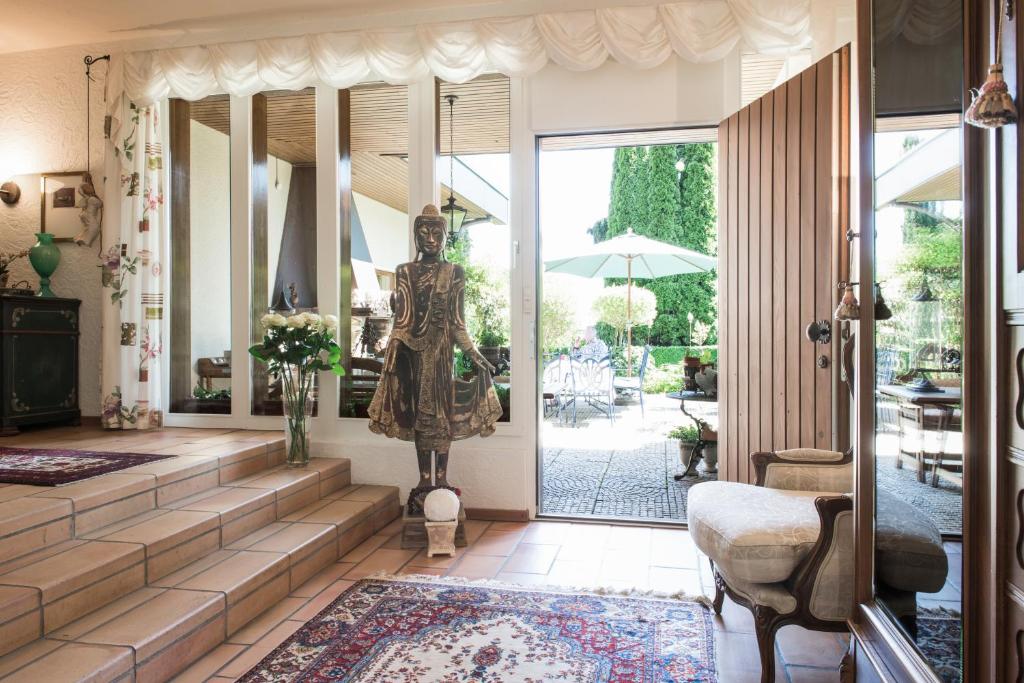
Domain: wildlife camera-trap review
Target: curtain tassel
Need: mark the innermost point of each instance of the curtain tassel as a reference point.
(991, 105)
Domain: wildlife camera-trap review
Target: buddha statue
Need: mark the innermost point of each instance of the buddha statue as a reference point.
(419, 398)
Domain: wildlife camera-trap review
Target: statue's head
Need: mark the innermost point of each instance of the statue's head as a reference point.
(431, 232)
(86, 187)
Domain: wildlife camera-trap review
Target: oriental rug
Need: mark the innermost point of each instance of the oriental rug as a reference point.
(435, 629)
(939, 639)
(53, 466)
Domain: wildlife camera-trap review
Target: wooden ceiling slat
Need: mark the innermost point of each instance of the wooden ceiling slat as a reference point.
(380, 130)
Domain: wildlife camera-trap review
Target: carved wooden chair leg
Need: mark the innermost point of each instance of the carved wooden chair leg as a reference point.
(766, 624)
(716, 604)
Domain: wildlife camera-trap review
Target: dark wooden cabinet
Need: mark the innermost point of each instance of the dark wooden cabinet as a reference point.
(38, 361)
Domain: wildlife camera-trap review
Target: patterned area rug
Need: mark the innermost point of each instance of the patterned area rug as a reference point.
(53, 467)
(938, 638)
(943, 504)
(430, 629)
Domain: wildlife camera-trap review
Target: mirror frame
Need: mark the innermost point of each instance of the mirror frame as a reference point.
(877, 640)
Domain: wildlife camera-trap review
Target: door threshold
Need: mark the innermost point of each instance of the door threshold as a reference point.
(621, 521)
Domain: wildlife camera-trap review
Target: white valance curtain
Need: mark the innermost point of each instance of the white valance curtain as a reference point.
(922, 22)
(639, 37)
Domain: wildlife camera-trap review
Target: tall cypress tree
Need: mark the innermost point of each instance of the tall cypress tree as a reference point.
(649, 195)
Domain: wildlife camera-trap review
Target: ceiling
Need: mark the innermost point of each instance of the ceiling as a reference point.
(148, 24)
(379, 130)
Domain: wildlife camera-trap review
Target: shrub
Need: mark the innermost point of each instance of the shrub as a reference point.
(661, 379)
(670, 355)
(610, 308)
(557, 320)
(686, 433)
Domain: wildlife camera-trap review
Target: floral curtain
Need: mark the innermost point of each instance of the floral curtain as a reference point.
(132, 275)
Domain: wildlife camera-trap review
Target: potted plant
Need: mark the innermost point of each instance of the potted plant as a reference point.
(6, 259)
(691, 364)
(295, 349)
(493, 345)
(688, 437)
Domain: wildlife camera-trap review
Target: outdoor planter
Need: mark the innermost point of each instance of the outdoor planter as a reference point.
(687, 450)
(691, 365)
(495, 355)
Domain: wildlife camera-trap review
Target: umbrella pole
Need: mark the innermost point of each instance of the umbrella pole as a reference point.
(629, 316)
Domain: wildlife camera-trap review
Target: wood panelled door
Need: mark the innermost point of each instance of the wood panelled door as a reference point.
(783, 213)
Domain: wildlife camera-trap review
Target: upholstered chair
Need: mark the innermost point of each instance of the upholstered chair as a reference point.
(782, 548)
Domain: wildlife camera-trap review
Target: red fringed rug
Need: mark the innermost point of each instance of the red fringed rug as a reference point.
(438, 629)
(53, 467)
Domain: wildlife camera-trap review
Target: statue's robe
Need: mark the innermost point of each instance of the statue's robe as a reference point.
(419, 398)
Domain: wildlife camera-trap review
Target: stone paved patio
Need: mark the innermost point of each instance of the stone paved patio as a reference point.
(625, 470)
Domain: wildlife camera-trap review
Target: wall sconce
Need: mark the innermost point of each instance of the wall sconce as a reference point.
(10, 193)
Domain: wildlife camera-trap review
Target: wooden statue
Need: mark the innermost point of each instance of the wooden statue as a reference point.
(419, 398)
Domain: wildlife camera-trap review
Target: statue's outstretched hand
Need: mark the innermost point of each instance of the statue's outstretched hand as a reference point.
(481, 362)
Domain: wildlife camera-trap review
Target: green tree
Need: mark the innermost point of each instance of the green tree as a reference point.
(611, 309)
(650, 196)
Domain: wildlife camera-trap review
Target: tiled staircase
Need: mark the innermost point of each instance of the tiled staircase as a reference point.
(136, 574)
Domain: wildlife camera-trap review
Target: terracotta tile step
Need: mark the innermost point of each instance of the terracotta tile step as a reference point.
(57, 591)
(68, 581)
(161, 630)
(301, 486)
(72, 591)
(28, 523)
(34, 517)
(171, 538)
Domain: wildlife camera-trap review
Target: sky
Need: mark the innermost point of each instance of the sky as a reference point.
(575, 186)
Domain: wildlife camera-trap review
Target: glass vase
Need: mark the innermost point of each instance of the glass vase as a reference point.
(298, 413)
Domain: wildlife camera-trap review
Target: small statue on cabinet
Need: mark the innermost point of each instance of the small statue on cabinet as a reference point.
(419, 398)
(92, 212)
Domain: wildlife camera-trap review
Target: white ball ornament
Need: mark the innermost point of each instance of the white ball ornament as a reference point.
(441, 505)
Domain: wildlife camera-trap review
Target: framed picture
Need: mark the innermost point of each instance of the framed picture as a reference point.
(61, 205)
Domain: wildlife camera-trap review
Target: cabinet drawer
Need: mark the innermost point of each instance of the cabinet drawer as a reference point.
(39, 318)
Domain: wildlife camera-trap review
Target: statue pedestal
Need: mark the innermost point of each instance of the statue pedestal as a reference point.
(414, 530)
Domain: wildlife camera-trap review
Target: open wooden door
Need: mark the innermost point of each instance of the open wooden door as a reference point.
(783, 212)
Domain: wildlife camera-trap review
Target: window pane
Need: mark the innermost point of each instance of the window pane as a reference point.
(283, 218)
(379, 225)
(200, 338)
(476, 126)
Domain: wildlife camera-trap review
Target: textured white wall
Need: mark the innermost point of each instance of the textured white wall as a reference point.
(277, 206)
(386, 230)
(42, 128)
(210, 247)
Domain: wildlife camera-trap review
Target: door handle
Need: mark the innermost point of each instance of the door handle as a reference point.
(820, 331)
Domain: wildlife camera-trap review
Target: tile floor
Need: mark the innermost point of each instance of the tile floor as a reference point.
(584, 555)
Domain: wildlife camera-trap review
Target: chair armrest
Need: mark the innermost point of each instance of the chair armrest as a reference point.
(804, 469)
(823, 583)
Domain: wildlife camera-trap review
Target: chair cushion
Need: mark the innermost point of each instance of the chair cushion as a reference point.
(754, 534)
(909, 552)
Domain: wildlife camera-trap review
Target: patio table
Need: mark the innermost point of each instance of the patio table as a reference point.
(948, 395)
(702, 425)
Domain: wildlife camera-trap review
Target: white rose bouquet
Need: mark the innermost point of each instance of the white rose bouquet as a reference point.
(295, 349)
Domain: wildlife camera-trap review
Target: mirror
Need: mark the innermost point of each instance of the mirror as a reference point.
(917, 55)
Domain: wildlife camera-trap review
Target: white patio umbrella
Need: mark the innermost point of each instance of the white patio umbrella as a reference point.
(632, 256)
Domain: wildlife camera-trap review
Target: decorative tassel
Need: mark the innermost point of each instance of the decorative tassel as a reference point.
(882, 310)
(849, 307)
(992, 106)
